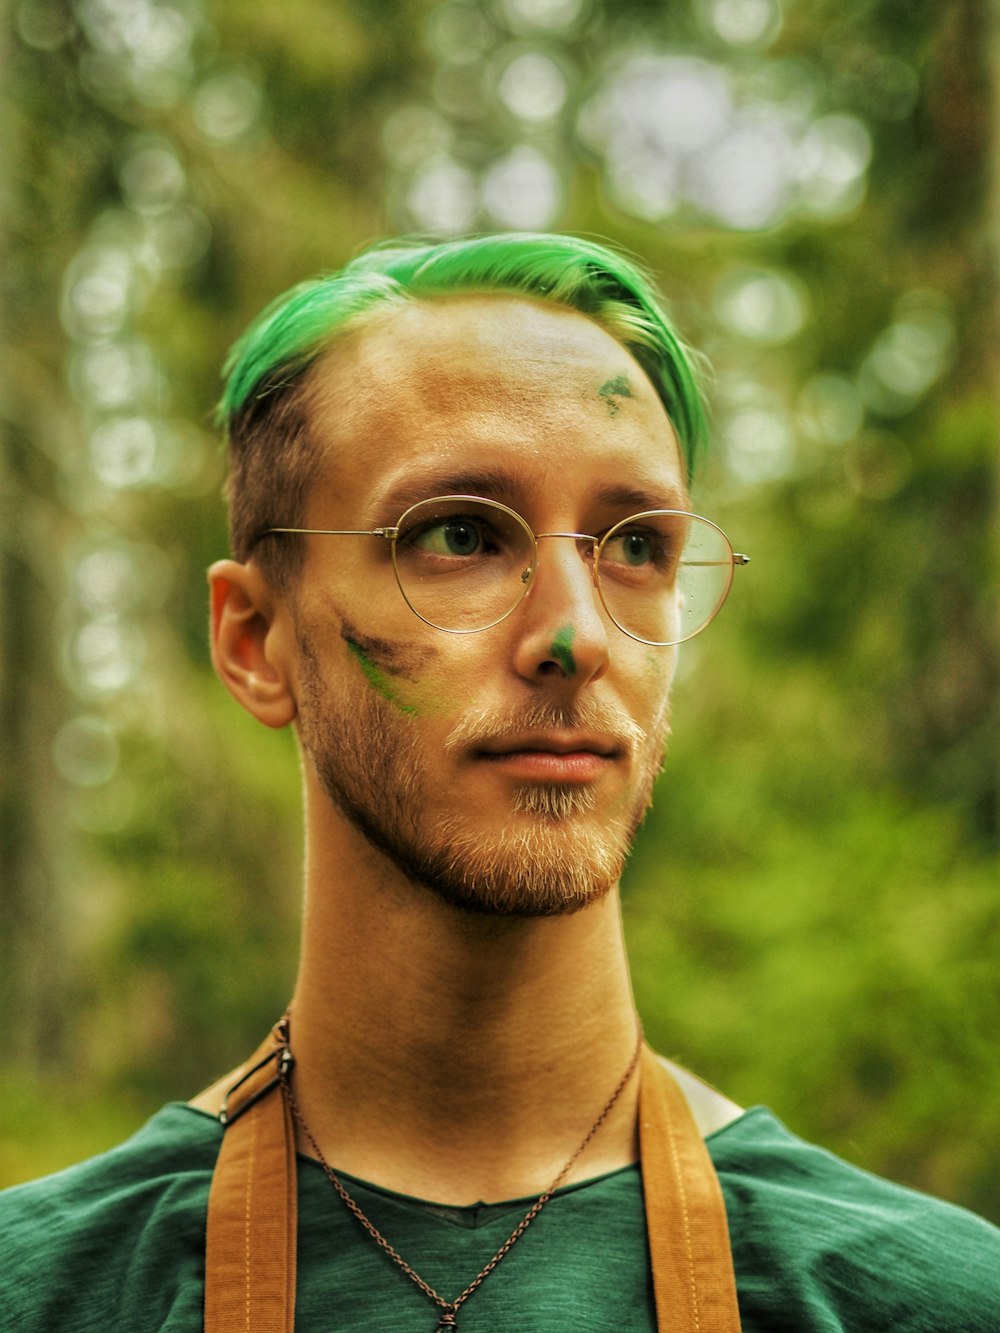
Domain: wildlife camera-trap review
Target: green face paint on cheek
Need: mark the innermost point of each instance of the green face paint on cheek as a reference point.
(561, 649)
(396, 669)
(376, 678)
(657, 665)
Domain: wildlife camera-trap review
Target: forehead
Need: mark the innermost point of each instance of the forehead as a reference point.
(488, 385)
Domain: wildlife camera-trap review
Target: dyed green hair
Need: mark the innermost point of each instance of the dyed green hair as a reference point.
(263, 408)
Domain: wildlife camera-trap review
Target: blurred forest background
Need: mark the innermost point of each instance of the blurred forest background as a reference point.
(814, 907)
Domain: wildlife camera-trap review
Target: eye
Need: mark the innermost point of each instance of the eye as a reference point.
(634, 548)
(458, 536)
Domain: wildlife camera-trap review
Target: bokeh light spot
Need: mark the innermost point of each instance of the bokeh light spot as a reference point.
(459, 32)
(744, 178)
(688, 101)
(85, 751)
(759, 444)
(98, 293)
(833, 158)
(178, 238)
(414, 134)
(522, 190)
(107, 654)
(753, 23)
(829, 409)
(533, 87)
(228, 106)
(547, 15)
(443, 198)
(123, 451)
(761, 305)
(909, 356)
(113, 375)
(118, 576)
(152, 177)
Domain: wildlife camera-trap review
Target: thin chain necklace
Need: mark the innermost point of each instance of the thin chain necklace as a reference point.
(448, 1317)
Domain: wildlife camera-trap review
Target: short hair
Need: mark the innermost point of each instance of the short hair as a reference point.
(264, 409)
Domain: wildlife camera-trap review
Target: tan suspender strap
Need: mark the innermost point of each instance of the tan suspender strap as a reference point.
(250, 1245)
(693, 1280)
(250, 1252)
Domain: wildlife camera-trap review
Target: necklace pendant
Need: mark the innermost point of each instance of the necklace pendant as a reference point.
(449, 1319)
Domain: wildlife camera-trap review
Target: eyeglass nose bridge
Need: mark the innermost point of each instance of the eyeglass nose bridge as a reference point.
(577, 537)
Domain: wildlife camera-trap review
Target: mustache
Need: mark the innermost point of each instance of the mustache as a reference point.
(488, 724)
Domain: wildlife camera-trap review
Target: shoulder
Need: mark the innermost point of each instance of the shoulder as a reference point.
(820, 1243)
(124, 1232)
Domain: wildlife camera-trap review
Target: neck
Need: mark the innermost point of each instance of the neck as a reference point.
(454, 1056)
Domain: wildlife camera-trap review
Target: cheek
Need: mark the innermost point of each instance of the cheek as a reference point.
(660, 665)
(657, 676)
(412, 675)
(378, 679)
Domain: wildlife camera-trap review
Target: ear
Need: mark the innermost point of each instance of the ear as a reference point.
(251, 635)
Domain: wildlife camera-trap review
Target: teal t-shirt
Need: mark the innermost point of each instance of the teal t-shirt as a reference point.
(117, 1244)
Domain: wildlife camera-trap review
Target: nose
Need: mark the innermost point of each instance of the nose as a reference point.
(563, 630)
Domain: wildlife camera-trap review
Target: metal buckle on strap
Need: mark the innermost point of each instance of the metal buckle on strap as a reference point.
(284, 1062)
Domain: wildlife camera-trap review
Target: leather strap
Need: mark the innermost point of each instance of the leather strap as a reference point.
(250, 1252)
(693, 1280)
(252, 1204)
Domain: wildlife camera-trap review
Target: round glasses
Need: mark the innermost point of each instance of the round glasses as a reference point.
(464, 564)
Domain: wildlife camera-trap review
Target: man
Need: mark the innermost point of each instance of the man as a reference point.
(464, 562)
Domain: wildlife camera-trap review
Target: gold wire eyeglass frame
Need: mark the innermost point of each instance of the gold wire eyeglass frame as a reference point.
(734, 560)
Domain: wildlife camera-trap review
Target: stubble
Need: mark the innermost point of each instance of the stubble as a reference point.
(554, 855)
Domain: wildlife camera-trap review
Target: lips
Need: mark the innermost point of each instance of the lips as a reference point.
(553, 757)
(551, 742)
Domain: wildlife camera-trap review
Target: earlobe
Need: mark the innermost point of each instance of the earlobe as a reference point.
(247, 648)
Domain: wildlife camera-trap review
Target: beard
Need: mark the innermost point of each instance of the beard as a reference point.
(552, 856)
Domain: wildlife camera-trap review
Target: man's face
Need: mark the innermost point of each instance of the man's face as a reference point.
(507, 769)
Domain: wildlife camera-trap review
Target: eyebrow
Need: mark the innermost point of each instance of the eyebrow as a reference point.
(512, 485)
(492, 483)
(639, 498)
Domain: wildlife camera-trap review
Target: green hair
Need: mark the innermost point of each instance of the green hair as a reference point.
(265, 419)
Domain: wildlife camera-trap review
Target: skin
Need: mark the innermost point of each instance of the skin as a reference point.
(448, 1048)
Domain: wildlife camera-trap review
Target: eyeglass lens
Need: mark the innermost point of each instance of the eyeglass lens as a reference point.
(464, 565)
(664, 575)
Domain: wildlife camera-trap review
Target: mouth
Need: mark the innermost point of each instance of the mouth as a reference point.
(562, 757)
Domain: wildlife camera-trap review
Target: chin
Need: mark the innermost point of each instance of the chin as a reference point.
(549, 861)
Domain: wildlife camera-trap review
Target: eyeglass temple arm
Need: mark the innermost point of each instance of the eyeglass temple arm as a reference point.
(738, 559)
(337, 532)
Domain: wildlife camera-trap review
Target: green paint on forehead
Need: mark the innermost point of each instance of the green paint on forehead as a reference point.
(561, 649)
(376, 678)
(613, 389)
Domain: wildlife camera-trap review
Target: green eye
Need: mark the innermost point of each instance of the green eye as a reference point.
(631, 548)
(453, 536)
